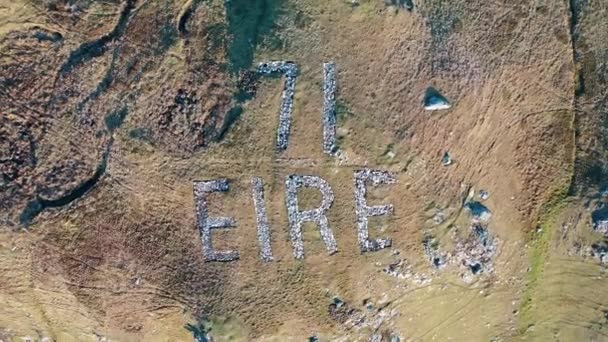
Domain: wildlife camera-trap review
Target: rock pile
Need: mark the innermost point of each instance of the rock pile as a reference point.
(433, 100)
(431, 249)
(478, 211)
(360, 321)
(403, 270)
(475, 253)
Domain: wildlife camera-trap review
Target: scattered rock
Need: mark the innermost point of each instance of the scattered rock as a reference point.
(433, 100)
(337, 302)
(402, 270)
(431, 248)
(447, 159)
(407, 4)
(600, 252)
(439, 217)
(478, 211)
(600, 220)
(341, 312)
(361, 322)
(475, 254)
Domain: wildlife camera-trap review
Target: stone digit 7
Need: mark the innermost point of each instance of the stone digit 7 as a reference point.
(290, 69)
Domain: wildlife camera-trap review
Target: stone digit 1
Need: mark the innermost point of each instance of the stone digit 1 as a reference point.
(318, 215)
(329, 108)
(206, 224)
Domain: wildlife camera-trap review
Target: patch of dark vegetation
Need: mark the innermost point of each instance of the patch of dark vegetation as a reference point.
(183, 102)
(115, 119)
(97, 47)
(246, 86)
(249, 21)
(17, 152)
(576, 11)
(168, 37)
(579, 83)
(233, 115)
(7, 82)
(246, 90)
(200, 330)
(302, 20)
(38, 205)
(594, 173)
(442, 20)
(576, 8)
(407, 4)
(139, 133)
(42, 36)
(343, 112)
(217, 40)
(600, 219)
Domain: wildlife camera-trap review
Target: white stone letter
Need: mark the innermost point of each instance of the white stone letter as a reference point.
(364, 211)
(296, 217)
(262, 219)
(206, 224)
